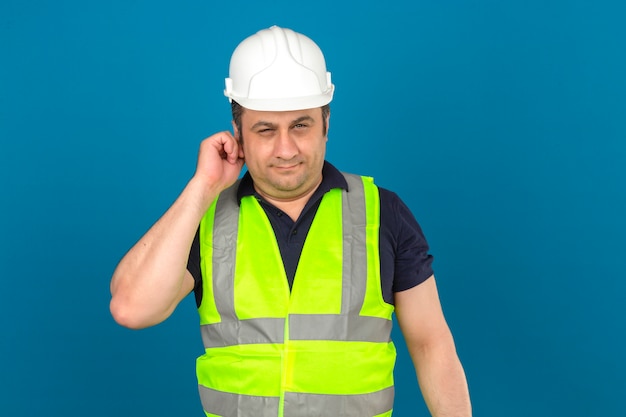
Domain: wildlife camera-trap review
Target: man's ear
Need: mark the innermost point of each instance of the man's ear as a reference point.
(235, 130)
(237, 136)
(327, 125)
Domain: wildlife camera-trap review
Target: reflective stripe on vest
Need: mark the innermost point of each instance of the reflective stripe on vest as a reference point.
(227, 404)
(324, 348)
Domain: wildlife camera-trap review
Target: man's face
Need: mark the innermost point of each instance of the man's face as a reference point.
(284, 151)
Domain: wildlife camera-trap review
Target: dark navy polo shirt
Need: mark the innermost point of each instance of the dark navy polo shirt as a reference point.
(404, 258)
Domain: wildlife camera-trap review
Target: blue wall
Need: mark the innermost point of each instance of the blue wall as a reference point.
(501, 124)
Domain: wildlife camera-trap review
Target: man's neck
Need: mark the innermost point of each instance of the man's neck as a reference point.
(293, 206)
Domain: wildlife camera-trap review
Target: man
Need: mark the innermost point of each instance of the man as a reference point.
(297, 268)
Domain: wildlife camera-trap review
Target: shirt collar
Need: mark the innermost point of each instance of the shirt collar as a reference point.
(331, 178)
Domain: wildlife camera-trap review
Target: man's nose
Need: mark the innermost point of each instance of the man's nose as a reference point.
(286, 147)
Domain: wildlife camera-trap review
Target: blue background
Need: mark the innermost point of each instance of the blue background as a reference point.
(501, 124)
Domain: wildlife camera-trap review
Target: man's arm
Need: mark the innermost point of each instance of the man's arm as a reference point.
(431, 346)
(152, 278)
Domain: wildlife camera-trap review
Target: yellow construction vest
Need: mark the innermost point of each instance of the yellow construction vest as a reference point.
(321, 349)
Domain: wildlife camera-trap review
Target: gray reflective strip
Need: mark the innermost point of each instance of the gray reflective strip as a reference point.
(339, 327)
(354, 247)
(264, 330)
(237, 405)
(225, 229)
(301, 327)
(358, 405)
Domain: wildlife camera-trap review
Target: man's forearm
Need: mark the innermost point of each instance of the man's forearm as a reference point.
(442, 380)
(149, 280)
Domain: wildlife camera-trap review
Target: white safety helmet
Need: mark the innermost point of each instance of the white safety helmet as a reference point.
(278, 69)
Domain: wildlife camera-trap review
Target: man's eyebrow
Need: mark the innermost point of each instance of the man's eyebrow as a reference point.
(302, 119)
(263, 123)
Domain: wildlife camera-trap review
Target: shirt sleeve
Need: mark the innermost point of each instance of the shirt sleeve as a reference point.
(405, 243)
(193, 266)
